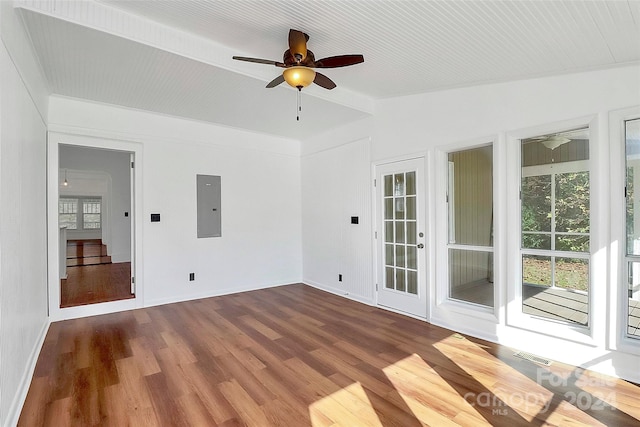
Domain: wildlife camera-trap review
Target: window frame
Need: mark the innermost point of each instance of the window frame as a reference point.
(441, 304)
(451, 227)
(60, 199)
(553, 170)
(619, 302)
(597, 315)
(80, 223)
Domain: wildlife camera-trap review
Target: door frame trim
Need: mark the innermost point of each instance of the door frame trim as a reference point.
(426, 217)
(54, 140)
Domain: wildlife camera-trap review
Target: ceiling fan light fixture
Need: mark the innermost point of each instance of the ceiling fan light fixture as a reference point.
(299, 76)
(555, 141)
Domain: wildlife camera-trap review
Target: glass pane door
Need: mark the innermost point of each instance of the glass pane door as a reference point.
(401, 256)
(401, 236)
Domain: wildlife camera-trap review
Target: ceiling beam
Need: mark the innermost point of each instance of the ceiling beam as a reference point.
(116, 22)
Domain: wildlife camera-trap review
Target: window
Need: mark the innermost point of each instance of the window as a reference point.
(555, 226)
(470, 228)
(68, 213)
(80, 213)
(632, 259)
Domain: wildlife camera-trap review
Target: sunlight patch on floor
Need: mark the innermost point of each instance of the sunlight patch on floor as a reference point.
(424, 392)
(506, 388)
(346, 407)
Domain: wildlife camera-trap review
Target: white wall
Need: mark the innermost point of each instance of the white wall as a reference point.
(115, 164)
(23, 257)
(434, 122)
(261, 221)
(335, 187)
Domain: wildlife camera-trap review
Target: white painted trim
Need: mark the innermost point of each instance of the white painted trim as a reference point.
(474, 332)
(548, 169)
(422, 205)
(340, 292)
(441, 302)
(410, 156)
(93, 309)
(472, 248)
(223, 144)
(618, 303)
(450, 305)
(514, 315)
(217, 293)
(25, 382)
(54, 140)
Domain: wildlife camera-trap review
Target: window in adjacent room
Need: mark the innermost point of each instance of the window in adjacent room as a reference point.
(80, 213)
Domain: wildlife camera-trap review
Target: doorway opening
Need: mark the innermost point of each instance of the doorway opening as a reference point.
(95, 218)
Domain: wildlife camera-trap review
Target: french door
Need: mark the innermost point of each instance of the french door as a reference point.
(401, 261)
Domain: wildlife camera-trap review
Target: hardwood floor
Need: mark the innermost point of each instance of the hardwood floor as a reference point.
(91, 277)
(297, 356)
(91, 284)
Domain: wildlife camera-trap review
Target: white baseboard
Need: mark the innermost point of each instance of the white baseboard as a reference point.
(21, 393)
(339, 292)
(214, 293)
(120, 257)
(477, 333)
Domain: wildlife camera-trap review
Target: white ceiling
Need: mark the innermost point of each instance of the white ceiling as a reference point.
(174, 57)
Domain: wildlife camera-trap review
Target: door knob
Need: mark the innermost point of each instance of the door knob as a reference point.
(420, 246)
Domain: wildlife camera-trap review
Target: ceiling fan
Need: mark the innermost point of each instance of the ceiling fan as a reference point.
(299, 63)
(554, 141)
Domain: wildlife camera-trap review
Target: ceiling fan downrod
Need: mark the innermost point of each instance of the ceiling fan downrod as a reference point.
(299, 105)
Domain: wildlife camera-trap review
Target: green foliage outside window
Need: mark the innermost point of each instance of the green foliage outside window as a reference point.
(571, 215)
(572, 211)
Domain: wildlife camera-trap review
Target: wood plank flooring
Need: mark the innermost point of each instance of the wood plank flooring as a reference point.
(91, 284)
(91, 277)
(297, 356)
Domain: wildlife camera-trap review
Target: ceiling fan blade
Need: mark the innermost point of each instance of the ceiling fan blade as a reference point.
(298, 44)
(339, 61)
(324, 81)
(275, 82)
(259, 61)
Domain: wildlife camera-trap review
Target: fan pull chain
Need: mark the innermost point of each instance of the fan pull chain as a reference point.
(299, 105)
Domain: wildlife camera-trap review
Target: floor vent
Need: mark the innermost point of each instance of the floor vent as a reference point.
(533, 358)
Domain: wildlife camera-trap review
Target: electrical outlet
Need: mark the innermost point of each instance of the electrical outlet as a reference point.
(192, 277)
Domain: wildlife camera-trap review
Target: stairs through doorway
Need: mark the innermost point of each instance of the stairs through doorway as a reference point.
(86, 252)
(92, 277)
